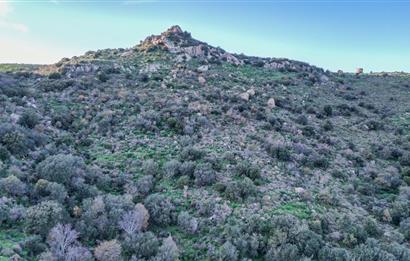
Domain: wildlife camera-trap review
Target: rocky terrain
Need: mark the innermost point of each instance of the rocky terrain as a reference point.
(177, 150)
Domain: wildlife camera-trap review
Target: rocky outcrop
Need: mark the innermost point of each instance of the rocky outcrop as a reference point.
(175, 40)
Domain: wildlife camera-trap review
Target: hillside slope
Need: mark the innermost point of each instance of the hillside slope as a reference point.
(175, 149)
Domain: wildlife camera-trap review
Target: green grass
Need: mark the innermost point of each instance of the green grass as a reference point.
(245, 75)
(14, 67)
(402, 120)
(187, 241)
(8, 239)
(297, 209)
(119, 159)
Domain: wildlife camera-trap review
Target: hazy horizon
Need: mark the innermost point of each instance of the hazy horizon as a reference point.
(330, 34)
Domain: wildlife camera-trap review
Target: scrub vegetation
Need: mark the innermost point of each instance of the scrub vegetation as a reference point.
(177, 150)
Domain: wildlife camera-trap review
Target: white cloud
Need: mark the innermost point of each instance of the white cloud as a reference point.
(13, 26)
(5, 8)
(28, 51)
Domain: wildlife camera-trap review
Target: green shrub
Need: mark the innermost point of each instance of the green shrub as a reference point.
(279, 150)
(42, 217)
(371, 251)
(4, 153)
(102, 77)
(308, 243)
(405, 159)
(284, 252)
(228, 252)
(56, 85)
(204, 174)
(13, 186)
(240, 190)
(150, 167)
(10, 212)
(16, 140)
(54, 76)
(160, 208)
(187, 168)
(101, 215)
(145, 184)
(29, 119)
(405, 228)
(328, 126)
(327, 109)
(168, 251)
(374, 125)
(171, 168)
(249, 170)
(61, 168)
(141, 245)
(187, 223)
(334, 254)
(191, 153)
(302, 119)
(50, 191)
(33, 245)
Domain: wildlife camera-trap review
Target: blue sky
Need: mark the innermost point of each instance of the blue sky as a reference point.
(333, 34)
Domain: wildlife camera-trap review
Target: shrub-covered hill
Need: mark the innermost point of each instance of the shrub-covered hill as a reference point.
(174, 149)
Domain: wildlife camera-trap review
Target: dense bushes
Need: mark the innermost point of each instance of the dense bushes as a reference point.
(328, 110)
(204, 174)
(150, 164)
(248, 170)
(50, 191)
(150, 168)
(240, 190)
(42, 217)
(11, 212)
(187, 223)
(17, 140)
(279, 150)
(168, 251)
(108, 251)
(29, 119)
(161, 209)
(13, 186)
(405, 228)
(62, 169)
(141, 245)
(101, 215)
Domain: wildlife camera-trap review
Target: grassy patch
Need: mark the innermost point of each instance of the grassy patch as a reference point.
(119, 159)
(298, 209)
(402, 120)
(15, 67)
(8, 239)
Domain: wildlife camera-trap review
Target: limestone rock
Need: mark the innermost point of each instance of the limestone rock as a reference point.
(299, 190)
(203, 68)
(271, 103)
(244, 96)
(251, 92)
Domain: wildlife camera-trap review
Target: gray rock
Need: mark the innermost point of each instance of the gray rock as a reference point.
(271, 103)
(244, 96)
(203, 68)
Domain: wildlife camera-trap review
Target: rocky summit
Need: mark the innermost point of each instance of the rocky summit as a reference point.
(177, 150)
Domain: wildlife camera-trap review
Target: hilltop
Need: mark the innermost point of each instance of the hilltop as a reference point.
(177, 150)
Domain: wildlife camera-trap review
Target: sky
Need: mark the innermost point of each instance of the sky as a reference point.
(332, 34)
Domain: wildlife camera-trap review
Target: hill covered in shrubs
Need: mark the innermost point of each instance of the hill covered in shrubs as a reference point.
(177, 150)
